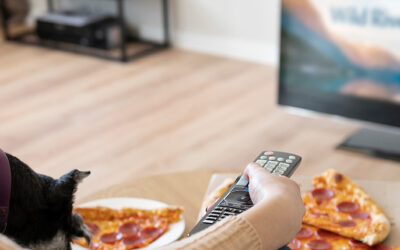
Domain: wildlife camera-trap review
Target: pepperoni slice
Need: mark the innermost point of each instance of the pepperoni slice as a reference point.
(319, 245)
(326, 234)
(382, 247)
(93, 228)
(347, 223)
(357, 244)
(347, 207)
(360, 215)
(151, 232)
(322, 194)
(295, 244)
(338, 177)
(110, 238)
(134, 241)
(304, 233)
(129, 228)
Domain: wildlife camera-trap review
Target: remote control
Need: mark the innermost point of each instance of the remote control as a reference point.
(237, 199)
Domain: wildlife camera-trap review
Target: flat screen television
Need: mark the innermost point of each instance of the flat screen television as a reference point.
(343, 58)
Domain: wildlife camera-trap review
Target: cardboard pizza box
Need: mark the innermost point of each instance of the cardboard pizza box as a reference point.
(385, 193)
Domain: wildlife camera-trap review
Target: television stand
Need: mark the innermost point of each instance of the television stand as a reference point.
(129, 48)
(376, 142)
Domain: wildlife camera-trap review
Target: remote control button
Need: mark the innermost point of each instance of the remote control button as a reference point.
(261, 162)
(280, 159)
(283, 165)
(245, 207)
(263, 157)
(269, 168)
(233, 205)
(218, 209)
(243, 198)
(213, 213)
(229, 209)
(208, 222)
(269, 153)
(238, 189)
(280, 171)
(281, 168)
(272, 158)
(238, 211)
(213, 216)
(242, 181)
(289, 161)
(292, 157)
(229, 214)
(273, 163)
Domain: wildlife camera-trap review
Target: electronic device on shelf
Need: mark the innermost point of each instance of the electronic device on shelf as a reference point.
(237, 199)
(92, 30)
(342, 58)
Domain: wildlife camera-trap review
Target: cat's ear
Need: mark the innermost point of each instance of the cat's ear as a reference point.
(77, 175)
(67, 184)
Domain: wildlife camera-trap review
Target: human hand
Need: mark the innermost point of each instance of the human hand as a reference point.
(278, 208)
(265, 186)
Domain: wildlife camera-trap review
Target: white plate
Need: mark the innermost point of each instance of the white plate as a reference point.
(175, 230)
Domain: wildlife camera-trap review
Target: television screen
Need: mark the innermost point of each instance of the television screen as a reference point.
(342, 57)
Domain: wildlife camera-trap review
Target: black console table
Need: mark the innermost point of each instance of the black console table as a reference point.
(129, 49)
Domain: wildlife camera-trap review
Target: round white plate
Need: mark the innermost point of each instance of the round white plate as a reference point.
(175, 230)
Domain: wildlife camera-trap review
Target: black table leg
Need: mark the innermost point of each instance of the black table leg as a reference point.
(122, 25)
(4, 20)
(165, 15)
(50, 5)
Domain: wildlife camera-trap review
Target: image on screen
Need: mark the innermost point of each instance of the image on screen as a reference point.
(348, 47)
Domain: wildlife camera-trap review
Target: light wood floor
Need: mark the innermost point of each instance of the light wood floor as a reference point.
(168, 112)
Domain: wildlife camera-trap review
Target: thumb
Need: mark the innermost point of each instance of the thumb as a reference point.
(251, 170)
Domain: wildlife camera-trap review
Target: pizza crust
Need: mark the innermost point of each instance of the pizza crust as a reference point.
(381, 224)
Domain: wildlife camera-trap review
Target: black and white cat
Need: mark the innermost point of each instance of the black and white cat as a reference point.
(40, 208)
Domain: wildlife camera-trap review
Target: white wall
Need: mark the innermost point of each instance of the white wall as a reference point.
(233, 28)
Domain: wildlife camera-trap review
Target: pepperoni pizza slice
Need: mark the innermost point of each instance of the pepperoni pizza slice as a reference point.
(310, 237)
(126, 228)
(339, 205)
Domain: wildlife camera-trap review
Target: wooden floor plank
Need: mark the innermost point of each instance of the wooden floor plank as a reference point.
(171, 111)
